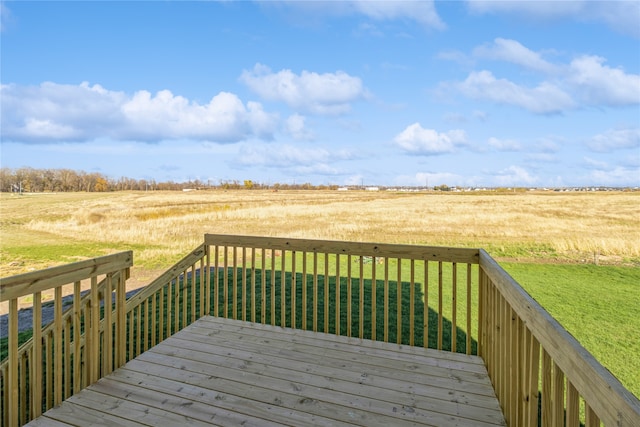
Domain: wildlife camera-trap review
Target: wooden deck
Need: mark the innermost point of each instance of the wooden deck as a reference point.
(227, 372)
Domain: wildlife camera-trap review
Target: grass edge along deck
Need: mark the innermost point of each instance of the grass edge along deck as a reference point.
(225, 372)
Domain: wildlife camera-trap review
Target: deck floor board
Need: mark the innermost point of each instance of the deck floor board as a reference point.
(222, 372)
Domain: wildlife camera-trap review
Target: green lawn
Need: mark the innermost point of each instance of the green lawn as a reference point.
(598, 305)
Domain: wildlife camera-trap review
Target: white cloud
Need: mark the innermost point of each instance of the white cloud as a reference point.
(53, 112)
(584, 82)
(621, 16)
(423, 11)
(292, 159)
(545, 158)
(616, 176)
(514, 52)
(504, 144)
(615, 139)
(296, 127)
(456, 56)
(514, 176)
(417, 140)
(539, 9)
(328, 93)
(545, 98)
(5, 16)
(600, 84)
(595, 164)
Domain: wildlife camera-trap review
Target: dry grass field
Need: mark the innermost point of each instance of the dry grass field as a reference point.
(40, 230)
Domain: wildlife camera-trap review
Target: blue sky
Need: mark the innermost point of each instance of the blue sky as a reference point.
(477, 93)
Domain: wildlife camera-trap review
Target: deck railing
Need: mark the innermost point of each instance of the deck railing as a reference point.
(451, 299)
(82, 344)
(537, 368)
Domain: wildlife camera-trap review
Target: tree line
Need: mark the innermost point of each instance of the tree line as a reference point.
(31, 180)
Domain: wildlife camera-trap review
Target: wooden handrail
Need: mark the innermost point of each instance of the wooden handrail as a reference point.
(427, 253)
(603, 394)
(25, 390)
(37, 281)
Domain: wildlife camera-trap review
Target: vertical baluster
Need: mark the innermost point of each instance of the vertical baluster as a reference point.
(374, 309)
(547, 388)
(185, 298)
(504, 350)
(349, 297)
(194, 287)
(225, 285)
(154, 312)
(425, 331)
(107, 344)
(454, 306)
(440, 322)
(591, 419)
(24, 401)
(142, 335)
(94, 331)
(304, 290)
(203, 284)
(361, 300)
(13, 362)
(57, 342)
(294, 290)
(216, 282)
(121, 314)
(263, 299)
(131, 326)
(573, 406)
(327, 286)
(253, 285)
(399, 304)
(48, 371)
(283, 290)
(558, 397)
(234, 290)
(169, 306)
(175, 324)
(482, 314)
(386, 300)
(532, 376)
(77, 346)
(68, 374)
(162, 311)
(338, 292)
(315, 291)
(207, 281)
(412, 297)
(244, 283)
(274, 284)
(36, 358)
(468, 334)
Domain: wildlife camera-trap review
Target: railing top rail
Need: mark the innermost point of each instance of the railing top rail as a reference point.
(38, 281)
(613, 403)
(428, 253)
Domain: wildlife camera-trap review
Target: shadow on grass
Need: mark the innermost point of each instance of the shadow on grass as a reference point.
(273, 312)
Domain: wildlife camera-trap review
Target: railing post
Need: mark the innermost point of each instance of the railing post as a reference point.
(121, 313)
(13, 362)
(36, 365)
